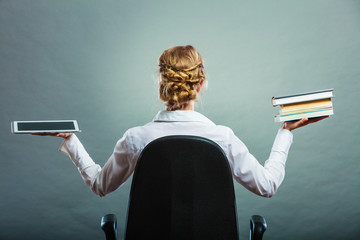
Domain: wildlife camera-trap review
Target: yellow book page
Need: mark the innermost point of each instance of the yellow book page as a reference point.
(309, 105)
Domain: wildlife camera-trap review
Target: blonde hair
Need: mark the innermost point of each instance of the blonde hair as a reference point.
(181, 71)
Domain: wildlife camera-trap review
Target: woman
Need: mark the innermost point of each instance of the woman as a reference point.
(182, 77)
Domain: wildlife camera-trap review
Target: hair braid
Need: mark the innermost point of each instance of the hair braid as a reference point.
(181, 70)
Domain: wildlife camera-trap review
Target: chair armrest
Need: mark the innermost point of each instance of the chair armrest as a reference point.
(109, 226)
(257, 227)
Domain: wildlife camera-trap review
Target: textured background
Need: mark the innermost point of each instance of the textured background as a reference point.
(96, 61)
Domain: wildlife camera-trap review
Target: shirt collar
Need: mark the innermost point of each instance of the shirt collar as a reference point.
(181, 116)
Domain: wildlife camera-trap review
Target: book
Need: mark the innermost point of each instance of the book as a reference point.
(304, 105)
(302, 97)
(298, 116)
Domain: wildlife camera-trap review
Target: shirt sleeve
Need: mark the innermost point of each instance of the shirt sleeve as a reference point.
(115, 172)
(261, 180)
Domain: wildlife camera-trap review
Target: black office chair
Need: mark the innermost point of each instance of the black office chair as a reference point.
(182, 188)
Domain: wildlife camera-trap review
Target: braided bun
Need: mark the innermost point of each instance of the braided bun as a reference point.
(181, 70)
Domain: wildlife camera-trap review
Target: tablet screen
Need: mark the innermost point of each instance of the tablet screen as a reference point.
(52, 126)
(46, 126)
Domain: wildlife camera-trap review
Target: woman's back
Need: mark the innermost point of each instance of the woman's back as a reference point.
(181, 77)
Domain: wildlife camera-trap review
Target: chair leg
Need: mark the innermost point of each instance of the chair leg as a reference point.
(257, 227)
(109, 226)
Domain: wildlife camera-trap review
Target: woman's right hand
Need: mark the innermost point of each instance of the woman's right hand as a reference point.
(291, 125)
(62, 135)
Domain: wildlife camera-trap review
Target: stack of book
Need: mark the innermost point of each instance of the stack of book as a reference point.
(304, 105)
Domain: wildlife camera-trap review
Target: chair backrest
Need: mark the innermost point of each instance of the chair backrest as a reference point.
(182, 188)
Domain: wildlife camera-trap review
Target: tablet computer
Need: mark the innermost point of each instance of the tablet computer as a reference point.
(52, 126)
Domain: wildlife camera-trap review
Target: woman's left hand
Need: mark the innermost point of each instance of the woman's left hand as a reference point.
(62, 135)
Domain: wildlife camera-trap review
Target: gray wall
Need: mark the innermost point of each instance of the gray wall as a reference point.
(96, 61)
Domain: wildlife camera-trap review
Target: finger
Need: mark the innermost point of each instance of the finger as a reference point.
(318, 118)
(301, 122)
(63, 135)
(69, 135)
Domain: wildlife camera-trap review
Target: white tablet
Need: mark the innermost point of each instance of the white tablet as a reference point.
(52, 126)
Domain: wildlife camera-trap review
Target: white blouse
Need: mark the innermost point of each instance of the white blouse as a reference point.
(261, 180)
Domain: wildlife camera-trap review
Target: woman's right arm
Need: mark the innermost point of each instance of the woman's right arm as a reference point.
(261, 180)
(265, 180)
